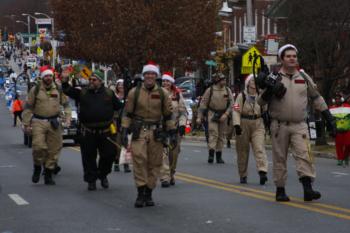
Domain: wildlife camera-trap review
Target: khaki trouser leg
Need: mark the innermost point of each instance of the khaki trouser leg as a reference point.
(258, 145)
(213, 134)
(221, 135)
(54, 143)
(242, 148)
(39, 144)
(280, 142)
(173, 156)
(140, 159)
(154, 152)
(165, 170)
(301, 150)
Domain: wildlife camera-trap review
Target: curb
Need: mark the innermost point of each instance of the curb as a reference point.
(318, 154)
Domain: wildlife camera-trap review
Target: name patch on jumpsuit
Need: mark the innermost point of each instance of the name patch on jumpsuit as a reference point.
(155, 96)
(299, 81)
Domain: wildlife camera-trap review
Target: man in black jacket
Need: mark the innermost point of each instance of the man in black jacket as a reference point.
(96, 108)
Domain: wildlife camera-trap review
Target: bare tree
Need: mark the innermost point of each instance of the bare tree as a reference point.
(321, 31)
(128, 33)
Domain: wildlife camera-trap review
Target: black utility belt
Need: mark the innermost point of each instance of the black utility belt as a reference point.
(95, 130)
(150, 126)
(289, 122)
(44, 118)
(250, 117)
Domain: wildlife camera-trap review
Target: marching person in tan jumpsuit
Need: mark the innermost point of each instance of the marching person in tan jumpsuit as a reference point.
(216, 101)
(40, 118)
(287, 100)
(148, 116)
(250, 130)
(180, 115)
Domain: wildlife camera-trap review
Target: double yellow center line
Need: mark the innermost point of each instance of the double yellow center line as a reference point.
(325, 209)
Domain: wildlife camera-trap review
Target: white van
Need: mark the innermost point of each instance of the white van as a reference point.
(31, 62)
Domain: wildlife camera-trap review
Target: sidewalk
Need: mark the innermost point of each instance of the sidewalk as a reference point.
(327, 151)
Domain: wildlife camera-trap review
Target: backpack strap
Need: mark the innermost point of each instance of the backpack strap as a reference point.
(161, 93)
(136, 98)
(210, 95)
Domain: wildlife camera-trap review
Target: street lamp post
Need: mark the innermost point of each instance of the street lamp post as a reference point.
(54, 43)
(52, 21)
(29, 36)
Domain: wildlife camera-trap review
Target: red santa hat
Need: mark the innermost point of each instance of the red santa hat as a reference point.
(168, 76)
(150, 67)
(45, 70)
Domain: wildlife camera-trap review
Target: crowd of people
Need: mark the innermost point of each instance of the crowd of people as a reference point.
(149, 121)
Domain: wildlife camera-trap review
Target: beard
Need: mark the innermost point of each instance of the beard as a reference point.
(47, 82)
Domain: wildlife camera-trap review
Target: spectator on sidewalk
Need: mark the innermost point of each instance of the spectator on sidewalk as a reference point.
(17, 109)
(341, 112)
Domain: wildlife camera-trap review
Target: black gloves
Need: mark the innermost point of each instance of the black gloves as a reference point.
(267, 95)
(182, 130)
(124, 137)
(238, 130)
(173, 139)
(278, 90)
(331, 125)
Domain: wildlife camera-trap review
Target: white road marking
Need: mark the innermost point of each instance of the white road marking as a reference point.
(197, 151)
(339, 174)
(18, 199)
(7, 166)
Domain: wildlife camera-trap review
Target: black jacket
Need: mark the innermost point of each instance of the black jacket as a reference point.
(96, 107)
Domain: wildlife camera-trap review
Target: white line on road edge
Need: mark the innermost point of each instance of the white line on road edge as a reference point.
(18, 199)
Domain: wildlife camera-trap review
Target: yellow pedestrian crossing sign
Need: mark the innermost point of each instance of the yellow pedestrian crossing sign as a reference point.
(248, 60)
(85, 72)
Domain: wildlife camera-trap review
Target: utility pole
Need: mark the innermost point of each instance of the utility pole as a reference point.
(250, 13)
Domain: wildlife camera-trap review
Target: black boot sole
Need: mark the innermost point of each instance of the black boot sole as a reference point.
(35, 179)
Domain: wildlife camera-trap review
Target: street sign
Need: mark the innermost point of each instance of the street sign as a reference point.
(248, 59)
(43, 21)
(210, 63)
(85, 72)
(249, 34)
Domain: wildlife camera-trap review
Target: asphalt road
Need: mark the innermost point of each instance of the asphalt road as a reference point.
(206, 198)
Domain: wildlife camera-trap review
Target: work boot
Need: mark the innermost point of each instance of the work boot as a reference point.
(172, 181)
(281, 195)
(243, 180)
(309, 193)
(56, 170)
(211, 156)
(104, 183)
(92, 186)
(148, 197)
(263, 177)
(36, 173)
(126, 168)
(48, 177)
(346, 161)
(116, 167)
(340, 162)
(228, 144)
(165, 184)
(219, 157)
(140, 200)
